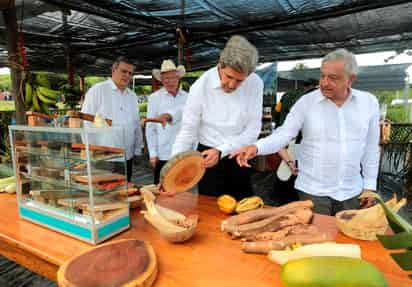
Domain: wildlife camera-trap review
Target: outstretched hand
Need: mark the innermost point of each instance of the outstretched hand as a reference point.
(163, 119)
(244, 154)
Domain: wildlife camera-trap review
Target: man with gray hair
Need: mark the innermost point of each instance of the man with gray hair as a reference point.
(339, 153)
(223, 113)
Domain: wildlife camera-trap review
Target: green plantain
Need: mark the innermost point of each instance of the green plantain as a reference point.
(28, 95)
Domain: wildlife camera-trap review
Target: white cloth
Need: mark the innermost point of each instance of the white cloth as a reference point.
(337, 142)
(218, 119)
(122, 108)
(160, 140)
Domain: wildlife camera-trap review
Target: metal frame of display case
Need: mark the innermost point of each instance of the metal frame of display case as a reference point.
(67, 220)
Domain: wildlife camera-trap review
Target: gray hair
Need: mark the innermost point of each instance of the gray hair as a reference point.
(240, 55)
(351, 67)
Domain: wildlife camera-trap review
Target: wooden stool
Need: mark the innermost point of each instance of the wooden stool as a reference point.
(127, 263)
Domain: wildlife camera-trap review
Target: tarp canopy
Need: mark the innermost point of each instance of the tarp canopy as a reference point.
(370, 78)
(95, 32)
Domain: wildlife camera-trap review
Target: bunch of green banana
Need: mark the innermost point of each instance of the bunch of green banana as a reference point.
(38, 94)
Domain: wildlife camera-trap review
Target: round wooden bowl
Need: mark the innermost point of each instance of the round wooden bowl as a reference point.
(182, 171)
(126, 263)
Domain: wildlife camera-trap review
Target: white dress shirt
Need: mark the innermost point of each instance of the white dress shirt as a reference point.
(218, 119)
(122, 108)
(337, 142)
(160, 140)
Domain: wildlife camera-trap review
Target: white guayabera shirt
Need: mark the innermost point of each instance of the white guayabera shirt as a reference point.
(218, 119)
(338, 143)
(121, 107)
(160, 140)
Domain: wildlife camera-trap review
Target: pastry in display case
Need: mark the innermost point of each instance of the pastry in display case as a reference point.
(72, 180)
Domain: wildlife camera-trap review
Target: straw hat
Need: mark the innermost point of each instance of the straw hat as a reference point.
(168, 66)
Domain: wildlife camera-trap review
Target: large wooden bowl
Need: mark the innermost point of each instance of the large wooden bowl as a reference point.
(182, 171)
(126, 263)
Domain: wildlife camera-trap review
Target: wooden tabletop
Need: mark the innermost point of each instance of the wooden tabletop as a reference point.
(210, 258)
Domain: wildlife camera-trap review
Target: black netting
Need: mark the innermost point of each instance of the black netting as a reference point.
(97, 31)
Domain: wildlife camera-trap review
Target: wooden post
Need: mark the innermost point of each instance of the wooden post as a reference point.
(10, 21)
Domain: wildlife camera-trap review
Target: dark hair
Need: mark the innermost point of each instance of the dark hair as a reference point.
(310, 82)
(122, 59)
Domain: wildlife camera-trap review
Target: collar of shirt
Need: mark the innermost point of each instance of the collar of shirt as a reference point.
(215, 79)
(166, 93)
(115, 88)
(320, 97)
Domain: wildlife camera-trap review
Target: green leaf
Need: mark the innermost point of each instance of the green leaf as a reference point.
(396, 241)
(404, 260)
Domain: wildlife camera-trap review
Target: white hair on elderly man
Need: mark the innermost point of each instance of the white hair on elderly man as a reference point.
(240, 55)
(351, 66)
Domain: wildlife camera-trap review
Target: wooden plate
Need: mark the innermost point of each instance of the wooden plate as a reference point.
(182, 171)
(124, 263)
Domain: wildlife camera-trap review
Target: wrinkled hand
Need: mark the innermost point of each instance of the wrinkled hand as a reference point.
(165, 192)
(210, 157)
(153, 161)
(367, 201)
(244, 154)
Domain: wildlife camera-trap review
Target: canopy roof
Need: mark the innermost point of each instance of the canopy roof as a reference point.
(370, 78)
(95, 32)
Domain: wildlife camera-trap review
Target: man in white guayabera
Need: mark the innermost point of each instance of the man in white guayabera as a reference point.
(339, 152)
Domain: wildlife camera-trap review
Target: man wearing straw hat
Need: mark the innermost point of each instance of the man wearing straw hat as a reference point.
(165, 107)
(222, 113)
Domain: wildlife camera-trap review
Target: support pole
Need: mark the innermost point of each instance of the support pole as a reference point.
(10, 21)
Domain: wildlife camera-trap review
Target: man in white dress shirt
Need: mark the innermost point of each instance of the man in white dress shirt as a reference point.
(112, 99)
(339, 152)
(224, 112)
(166, 106)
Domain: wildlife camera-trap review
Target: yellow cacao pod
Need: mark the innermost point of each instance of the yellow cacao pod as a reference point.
(226, 203)
(249, 203)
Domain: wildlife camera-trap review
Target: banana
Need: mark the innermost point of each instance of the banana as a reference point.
(36, 105)
(45, 99)
(45, 109)
(249, 203)
(49, 93)
(42, 80)
(28, 94)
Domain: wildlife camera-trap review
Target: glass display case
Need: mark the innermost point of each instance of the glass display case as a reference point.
(72, 180)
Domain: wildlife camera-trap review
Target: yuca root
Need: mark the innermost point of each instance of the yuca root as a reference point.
(263, 247)
(282, 233)
(230, 224)
(274, 223)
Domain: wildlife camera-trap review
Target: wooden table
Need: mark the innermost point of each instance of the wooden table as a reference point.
(210, 258)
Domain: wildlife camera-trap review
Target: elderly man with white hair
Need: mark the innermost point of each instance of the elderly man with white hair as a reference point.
(339, 152)
(165, 109)
(224, 112)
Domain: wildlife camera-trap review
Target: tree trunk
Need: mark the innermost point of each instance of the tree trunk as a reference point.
(10, 21)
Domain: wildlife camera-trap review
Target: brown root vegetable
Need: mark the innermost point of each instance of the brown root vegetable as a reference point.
(259, 214)
(263, 247)
(274, 223)
(288, 230)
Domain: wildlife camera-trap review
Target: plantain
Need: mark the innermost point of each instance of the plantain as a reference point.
(41, 80)
(49, 93)
(28, 94)
(44, 98)
(249, 203)
(36, 105)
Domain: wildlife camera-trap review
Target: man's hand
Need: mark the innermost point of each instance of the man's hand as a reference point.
(367, 201)
(210, 157)
(292, 166)
(244, 154)
(166, 192)
(153, 161)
